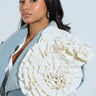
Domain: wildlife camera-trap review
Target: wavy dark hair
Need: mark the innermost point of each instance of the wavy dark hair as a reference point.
(56, 13)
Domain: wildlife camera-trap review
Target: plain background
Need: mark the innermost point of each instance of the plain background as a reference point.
(82, 16)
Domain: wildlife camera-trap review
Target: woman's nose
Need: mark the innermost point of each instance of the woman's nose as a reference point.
(27, 5)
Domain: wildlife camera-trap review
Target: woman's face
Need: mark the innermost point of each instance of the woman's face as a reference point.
(33, 11)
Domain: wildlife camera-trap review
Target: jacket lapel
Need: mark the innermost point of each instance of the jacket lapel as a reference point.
(7, 49)
(12, 82)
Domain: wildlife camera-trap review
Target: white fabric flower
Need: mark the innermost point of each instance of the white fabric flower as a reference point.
(52, 67)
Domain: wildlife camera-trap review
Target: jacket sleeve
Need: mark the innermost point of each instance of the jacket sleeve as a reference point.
(6, 49)
(2, 72)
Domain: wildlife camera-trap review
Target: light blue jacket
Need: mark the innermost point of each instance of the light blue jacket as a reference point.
(12, 87)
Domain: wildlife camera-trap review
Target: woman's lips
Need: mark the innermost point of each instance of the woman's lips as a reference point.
(25, 15)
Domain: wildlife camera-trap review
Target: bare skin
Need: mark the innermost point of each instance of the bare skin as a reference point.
(34, 13)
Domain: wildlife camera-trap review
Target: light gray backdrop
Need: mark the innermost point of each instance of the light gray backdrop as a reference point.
(82, 16)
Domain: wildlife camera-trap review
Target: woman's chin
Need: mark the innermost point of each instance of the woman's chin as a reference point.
(29, 21)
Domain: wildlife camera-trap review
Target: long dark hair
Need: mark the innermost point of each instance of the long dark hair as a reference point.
(55, 12)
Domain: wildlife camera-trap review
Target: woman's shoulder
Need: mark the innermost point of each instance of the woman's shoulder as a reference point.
(53, 32)
(19, 34)
(67, 42)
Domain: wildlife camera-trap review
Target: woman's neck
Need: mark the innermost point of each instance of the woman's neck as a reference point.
(35, 28)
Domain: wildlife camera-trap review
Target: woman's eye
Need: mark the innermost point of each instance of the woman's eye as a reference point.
(24, 1)
(21, 2)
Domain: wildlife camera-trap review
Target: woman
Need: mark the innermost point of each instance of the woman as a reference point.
(38, 17)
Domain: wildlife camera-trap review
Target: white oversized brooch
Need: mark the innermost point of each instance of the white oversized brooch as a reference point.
(52, 67)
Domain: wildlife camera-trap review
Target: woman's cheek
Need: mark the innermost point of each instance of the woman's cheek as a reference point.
(40, 8)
